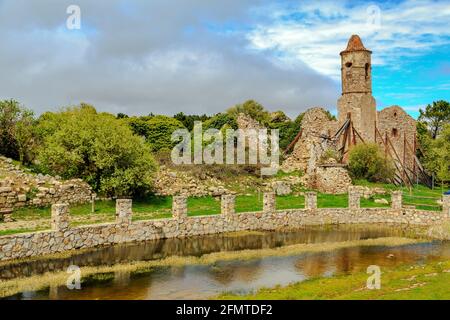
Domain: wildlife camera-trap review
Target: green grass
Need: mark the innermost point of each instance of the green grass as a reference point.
(290, 202)
(429, 282)
(16, 231)
(419, 196)
(332, 201)
(203, 206)
(249, 203)
(370, 203)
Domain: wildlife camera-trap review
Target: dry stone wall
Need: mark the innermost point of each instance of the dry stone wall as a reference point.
(329, 178)
(63, 238)
(19, 188)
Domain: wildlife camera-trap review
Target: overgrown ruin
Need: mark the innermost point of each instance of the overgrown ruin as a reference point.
(323, 140)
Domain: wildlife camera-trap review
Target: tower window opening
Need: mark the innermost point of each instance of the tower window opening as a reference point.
(348, 64)
(367, 68)
(395, 133)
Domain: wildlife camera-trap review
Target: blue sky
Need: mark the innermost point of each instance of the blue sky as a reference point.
(203, 56)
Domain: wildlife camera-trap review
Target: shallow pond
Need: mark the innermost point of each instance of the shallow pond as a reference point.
(203, 281)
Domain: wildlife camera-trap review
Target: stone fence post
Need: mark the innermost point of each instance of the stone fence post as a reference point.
(446, 205)
(124, 211)
(60, 217)
(354, 197)
(269, 202)
(397, 200)
(310, 200)
(227, 204)
(179, 207)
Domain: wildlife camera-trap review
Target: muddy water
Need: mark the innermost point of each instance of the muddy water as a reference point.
(203, 281)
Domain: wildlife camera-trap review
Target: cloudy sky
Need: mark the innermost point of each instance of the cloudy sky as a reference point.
(203, 56)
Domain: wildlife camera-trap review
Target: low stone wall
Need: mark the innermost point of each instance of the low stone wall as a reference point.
(62, 237)
(19, 189)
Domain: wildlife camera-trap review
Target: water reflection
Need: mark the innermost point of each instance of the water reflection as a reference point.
(195, 246)
(203, 281)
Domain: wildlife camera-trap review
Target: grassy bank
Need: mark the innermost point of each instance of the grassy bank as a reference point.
(430, 281)
(38, 282)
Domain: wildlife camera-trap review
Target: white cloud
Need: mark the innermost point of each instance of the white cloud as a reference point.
(316, 31)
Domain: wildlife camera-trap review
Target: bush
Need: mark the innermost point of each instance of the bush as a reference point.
(80, 143)
(367, 162)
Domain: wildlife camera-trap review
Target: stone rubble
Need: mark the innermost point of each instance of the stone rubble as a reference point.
(19, 188)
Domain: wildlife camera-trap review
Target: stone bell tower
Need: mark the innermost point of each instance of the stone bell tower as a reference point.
(357, 100)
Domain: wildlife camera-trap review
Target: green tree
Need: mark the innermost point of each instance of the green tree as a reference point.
(366, 161)
(253, 109)
(437, 156)
(157, 130)
(435, 116)
(16, 131)
(80, 143)
(220, 120)
(189, 120)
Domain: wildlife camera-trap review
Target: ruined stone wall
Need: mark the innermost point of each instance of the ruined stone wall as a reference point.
(311, 146)
(397, 124)
(19, 188)
(245, 122)
(332, 179)
(63, 238)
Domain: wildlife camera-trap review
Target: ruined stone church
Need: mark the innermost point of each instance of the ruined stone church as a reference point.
(358, 121)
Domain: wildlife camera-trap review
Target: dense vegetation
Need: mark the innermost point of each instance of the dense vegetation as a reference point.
(79, 142)
(367, 162)
(434, 139)
(115, 154)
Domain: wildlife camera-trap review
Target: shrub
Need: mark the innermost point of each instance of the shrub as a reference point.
(367, 162)
(80, 143)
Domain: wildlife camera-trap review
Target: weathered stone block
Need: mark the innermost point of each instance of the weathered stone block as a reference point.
(354, 197)
(282, 188)
(397, 200)
(60, 217)
(179, 207)
(228, 204)
(446, 205)
(269, 202)
(310, 200)
(124, 211)
(5, 189)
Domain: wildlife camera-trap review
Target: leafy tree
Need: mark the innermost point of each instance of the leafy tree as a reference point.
(189, 120)
(436, 116)
(437, 155)
(367, 161)
(122, 116)
(220, 120)
(80, 143)
(156, 130)
(288, 132)
(253, 109)
(16, 131)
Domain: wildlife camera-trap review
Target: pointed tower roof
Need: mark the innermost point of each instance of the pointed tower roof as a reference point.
(355, 44)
